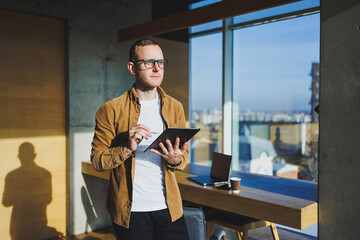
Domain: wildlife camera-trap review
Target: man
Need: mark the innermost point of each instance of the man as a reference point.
(143, 198)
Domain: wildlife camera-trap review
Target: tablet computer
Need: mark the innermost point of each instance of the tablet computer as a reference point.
(171, 133)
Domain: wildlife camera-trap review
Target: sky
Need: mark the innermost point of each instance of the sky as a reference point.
(271, 66)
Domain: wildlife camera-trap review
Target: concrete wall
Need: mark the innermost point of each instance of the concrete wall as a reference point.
(339, 165)
(97, 73)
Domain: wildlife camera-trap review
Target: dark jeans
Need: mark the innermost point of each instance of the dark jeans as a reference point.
(154, 225)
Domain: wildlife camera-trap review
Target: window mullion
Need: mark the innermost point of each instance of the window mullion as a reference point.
(227, 86)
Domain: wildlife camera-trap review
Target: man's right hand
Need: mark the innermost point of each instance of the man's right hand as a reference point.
(136, 135)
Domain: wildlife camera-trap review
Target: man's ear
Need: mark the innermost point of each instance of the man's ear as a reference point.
(131, 67)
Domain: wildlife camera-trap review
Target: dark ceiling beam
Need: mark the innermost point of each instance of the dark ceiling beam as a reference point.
(182, 20)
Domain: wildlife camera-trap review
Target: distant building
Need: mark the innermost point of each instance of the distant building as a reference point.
(315, 86)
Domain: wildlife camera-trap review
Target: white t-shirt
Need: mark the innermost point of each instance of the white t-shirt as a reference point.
(149, 184)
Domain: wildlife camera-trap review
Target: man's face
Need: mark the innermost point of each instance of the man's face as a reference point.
(147, 77)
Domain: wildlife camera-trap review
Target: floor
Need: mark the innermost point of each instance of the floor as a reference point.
(255, 234)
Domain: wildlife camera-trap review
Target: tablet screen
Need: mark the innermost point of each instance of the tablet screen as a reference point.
(185, 134)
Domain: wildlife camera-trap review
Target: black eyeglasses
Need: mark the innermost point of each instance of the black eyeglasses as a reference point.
(150, 63)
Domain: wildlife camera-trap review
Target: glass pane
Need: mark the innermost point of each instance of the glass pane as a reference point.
(276, 69)
(202, 3)
(292, 7)
(206, 26)
(206, 96)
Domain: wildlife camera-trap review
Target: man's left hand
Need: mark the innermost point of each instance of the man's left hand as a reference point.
(172, 154)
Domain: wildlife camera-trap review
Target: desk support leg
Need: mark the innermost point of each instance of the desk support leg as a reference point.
(239, 235)
(274, 231)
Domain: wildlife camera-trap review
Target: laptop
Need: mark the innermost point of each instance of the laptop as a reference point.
(220, 171)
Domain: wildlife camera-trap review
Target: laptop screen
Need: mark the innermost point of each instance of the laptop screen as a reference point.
(220, 166)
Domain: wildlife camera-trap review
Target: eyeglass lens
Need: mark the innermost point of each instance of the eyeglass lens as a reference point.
(150, 63)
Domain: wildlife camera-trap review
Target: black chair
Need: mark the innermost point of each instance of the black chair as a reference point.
(195, 222)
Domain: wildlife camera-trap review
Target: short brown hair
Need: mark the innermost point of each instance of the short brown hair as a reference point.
(142, 42)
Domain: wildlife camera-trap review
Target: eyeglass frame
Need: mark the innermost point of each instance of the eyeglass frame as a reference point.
(153, 61)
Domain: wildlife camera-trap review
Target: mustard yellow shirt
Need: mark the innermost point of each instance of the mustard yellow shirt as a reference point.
(113, 121)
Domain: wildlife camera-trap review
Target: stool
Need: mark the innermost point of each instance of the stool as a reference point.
(241, 224)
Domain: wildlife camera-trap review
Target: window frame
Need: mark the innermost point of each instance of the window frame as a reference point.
(227, 30)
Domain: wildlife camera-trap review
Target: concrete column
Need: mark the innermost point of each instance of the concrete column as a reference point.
(339, 164)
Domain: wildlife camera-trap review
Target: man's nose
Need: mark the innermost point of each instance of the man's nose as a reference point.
(156, 67)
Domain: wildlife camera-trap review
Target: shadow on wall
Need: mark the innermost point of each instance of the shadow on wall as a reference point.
(28, 190)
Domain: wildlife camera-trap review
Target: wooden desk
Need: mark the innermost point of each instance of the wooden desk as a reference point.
(262, 197)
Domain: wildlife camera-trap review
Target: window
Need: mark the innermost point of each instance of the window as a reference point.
(274, 128)
(206, 96)
(273, 132)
